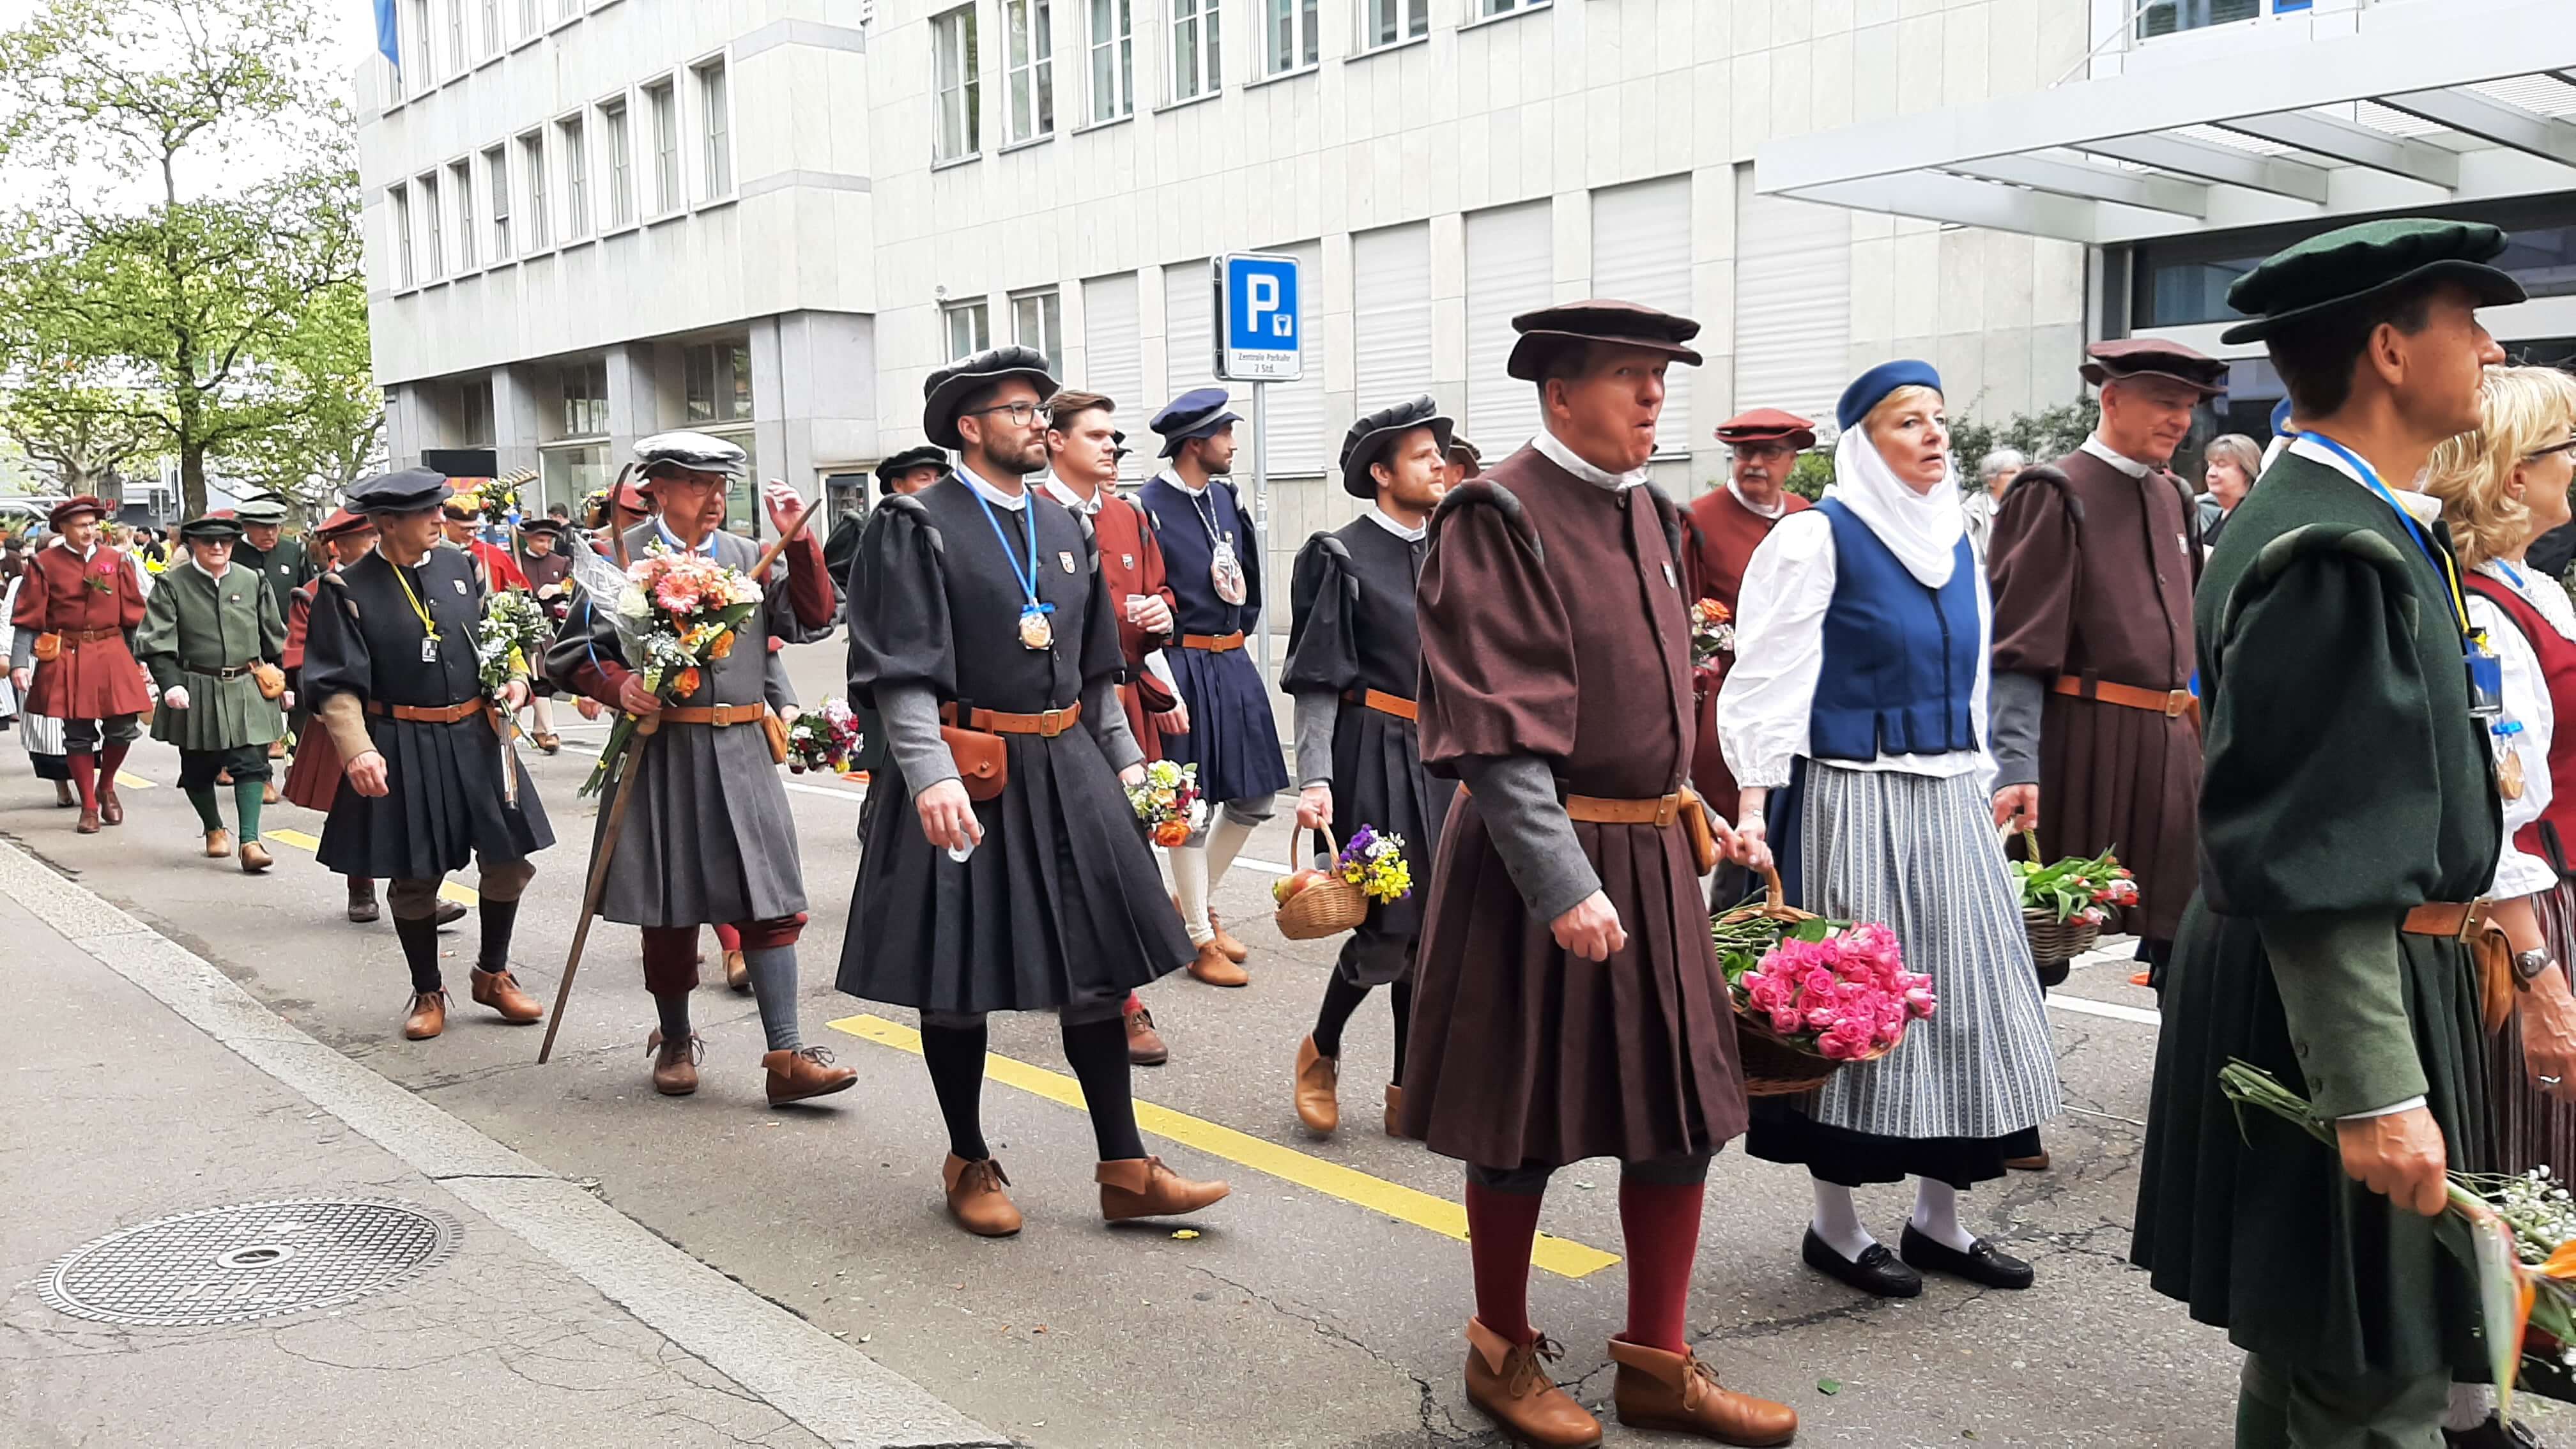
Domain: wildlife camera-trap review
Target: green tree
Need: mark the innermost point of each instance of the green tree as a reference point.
(2042, 437)
(75, 427)
(219, 274)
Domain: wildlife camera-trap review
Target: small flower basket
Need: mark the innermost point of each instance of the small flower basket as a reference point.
(1812, 995)
(1326, 901)
(2065, 905)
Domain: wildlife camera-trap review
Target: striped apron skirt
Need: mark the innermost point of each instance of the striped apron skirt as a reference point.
(2527, 1127)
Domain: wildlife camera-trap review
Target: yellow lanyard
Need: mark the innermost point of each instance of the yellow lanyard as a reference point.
(428, 625)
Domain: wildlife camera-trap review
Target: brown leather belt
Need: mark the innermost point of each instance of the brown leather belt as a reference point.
(75, 638)
(1594, 810)
(719, 715)
(1213, 643)
(992, 722)
(2457, 920)
(429, 714)
(2171, 703)
(1383, 703)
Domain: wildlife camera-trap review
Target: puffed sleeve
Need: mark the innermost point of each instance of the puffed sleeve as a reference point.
(1497, 681)
(1769, 695)
(299, 625)
(1321, 591)
(2032, 558)
(335, 649)
(1103, 660)
(2525, 730)
(898, 608)
(1249, 553)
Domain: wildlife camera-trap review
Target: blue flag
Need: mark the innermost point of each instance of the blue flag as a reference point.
(388, 33)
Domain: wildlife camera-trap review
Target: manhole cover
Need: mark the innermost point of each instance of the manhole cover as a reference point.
(232, 1264)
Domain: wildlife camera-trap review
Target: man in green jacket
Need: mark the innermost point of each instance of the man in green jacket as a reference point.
(211, 637)
(2349, 822)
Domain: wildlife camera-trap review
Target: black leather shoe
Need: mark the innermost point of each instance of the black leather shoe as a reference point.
(1982, 1263)
(2493, 1434)
(1877, 1273)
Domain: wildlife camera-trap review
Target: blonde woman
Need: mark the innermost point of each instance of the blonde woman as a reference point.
(1855, 717)
(2502, 487)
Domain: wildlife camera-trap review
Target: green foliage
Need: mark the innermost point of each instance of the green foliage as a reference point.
(1810, 475)
(2042, 436)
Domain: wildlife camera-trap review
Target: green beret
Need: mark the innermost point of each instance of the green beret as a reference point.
(2353, 264)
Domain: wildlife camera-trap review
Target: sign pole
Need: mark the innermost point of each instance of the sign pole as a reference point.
(1261, 512)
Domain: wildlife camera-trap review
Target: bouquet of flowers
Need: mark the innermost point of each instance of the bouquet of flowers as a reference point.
(674, 612)
(511, 638)
(1712, 627)
(1827, 988)
(823, 739)
(2080, 892)
(1168, 803)
(494, 500)
(1376, 864)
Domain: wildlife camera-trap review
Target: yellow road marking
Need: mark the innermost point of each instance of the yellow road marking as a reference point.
(1561, 1256)
(132, 781)
(462, 895)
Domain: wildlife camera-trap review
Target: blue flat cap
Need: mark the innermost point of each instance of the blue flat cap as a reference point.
(411, 490)
(1194, 414)
(1868, 389)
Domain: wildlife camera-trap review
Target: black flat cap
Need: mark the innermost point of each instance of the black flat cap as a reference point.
(911, 458)
(1550, 330)
(411, 490)
(688, 452)
(1370, 437)
(946, 390)
(211, 528)
(2352, 264)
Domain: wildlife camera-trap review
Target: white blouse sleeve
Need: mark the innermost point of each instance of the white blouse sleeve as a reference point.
(1770, 691)
(2526, 702)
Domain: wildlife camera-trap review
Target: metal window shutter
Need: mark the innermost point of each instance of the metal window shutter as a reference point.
(1509, 256)
(1792, 302)
(1295, 410)
(1641, 253)
(1189, 334)
(1391, 316)
(1113, 360)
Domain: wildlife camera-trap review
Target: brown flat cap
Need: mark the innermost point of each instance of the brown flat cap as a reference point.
(2153, 357)
(1550, 330)
(1767, 425)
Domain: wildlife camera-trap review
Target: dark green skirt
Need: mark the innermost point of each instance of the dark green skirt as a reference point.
(222, 714)
(2255, 1225)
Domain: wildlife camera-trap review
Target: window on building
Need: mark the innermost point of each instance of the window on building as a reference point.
(1196, 68)
(1037, 320)
(1287, 35)
(621, 184)
(1113, 352)
(576, 161)
(2166, 17)
(433, 241)
(424, 71)
(567, 9)
(969, 330)
(474, 412)
(532, 17)
(457, 58)
(496, 188)
(1510, 270)
(405, 269)
(718, 382)
(665, 103)
(715, 111)
(1028, 35)
(1391, 327)
(532, 166)
(460, 180)
(1505, 7)
(956, 69)
(1389, 21)
(491, 28)
(1113, 60)
(585, 399)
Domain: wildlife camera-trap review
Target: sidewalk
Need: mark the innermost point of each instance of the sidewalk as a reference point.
(554, 1320)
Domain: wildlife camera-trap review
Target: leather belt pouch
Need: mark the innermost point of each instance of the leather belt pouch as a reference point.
(1703, 835)
(47, 648)
(776, 728)
(983, 761)
(270, 679)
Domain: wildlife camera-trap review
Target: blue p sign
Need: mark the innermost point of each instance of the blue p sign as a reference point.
(1257, 296)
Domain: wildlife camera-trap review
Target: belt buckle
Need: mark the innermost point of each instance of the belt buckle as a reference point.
(1667, 810)
(2176, 701)
(2472, 920)
(1051, 723)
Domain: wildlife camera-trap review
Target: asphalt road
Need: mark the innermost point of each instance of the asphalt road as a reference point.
(1321, 1305)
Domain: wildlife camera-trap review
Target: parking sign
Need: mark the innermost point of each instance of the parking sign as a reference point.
(1259, 330)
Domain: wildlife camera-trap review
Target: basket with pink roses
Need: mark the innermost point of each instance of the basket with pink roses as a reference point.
(1810, 994)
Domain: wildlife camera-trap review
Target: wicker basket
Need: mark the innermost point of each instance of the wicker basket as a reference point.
(1327, 907)
(2050, 938)
(1773, 1065)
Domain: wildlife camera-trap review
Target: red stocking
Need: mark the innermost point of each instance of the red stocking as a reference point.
(1501, 1227)
(1661, 1224)
(85, 775)
(111, 758)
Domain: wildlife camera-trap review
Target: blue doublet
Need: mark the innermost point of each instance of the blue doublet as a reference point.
(1898, 679)
(1232, 738)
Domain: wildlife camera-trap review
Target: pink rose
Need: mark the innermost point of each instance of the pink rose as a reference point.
(1787, 1022)
(1920, 1002)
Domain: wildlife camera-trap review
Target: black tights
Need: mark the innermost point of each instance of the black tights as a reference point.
(1097, 1051)
(1341, 998)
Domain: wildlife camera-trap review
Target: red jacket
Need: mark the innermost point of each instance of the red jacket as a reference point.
(1131, 562)
(101, 596)
(1723, 534)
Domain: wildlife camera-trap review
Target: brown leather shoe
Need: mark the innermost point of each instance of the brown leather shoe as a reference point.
(1216, 969)
(1675, 1391)
(675, 1063)
(255, 857)
(737, 972)
(219, 843)
(1510, 1384)
(2036, 1162)
(64, 796)
(1142, 1187)
(550, 742)
(363, 907)
(1235, 951)
(449, 912)
(1145, 1046)
(428, 1015)
(804, 1072)
(1319, 1105)
(111, 811)
(500, 991)
(976, 1199)
(1395, 1113)
(88, 824)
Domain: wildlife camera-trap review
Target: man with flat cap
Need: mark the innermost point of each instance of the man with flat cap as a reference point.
(982, 630)
(2093, 559)
(264, 548)
(464, 528)
(709, 839)
(1568, 1000)
(69, 657)
(390, 666)
(213, 639)
(1353, 666)
(543, 562)
(2349, 822)
(906, 472)
(1213, 561)
(1464, 461)
(1722, 529)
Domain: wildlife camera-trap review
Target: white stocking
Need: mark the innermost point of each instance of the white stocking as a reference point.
(1936, 1214)
(1837, 1220)
(1225, 839)
(1190, 884)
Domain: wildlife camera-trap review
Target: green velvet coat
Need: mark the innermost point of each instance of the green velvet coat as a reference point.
(194, 625)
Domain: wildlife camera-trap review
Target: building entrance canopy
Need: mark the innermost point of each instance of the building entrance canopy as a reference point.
(2395, 105)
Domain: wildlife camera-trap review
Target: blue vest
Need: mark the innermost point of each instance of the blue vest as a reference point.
(1900, 659)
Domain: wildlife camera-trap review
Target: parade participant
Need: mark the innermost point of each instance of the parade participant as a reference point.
(977, 608)
(1082, 466)
(494, 569)
(264, 548)
(709, 838)
(1723, 527)
(548, 571)
(2349, 817)
(1995, 473)
(1464, 461)
(2230, 464)
(39, 735)
(2092, 564)
(1353, 666)
(69, 658)
(909, 471)
(1568, 1002)
(213, 639)
(389, 663)
(1858, 698)
(905, 473)
(1212, 560)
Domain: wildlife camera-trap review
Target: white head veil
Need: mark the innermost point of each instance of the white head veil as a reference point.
(1922, 529)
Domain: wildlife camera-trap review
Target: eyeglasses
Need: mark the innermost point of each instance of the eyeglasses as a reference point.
(2561, 446)
(1021, 413)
